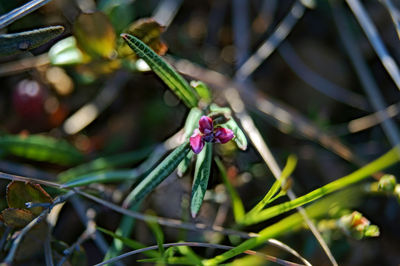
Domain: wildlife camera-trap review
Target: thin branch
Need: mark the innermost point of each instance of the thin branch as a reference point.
(394, 14)
(10, 256)
(165, 221)
(20, 12)
(266, 49)
(364, 74)
(198, 244)
(27, 179)
(319, 83)
(368, 121)
(373, 36)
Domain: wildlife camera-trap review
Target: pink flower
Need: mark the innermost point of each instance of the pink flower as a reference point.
(207, 133)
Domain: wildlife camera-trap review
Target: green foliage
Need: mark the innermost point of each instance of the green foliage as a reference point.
(41, 148)
(130, 243)
(201, 176)
(171, 78)
(237, 204)
(104, 163)
(162, 171)
(102, 177)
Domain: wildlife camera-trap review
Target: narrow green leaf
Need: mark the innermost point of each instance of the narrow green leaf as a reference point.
(130, 243)
(23, 41)
(171, 78)
(192, 121)
(124, 229)
(103, 177)
(201, 176)
(104, 163)
(379, 164)
(240, 138)
(41, 148)
(184, 165)
(190, 254)
(237, 204)
(202, 90)
(158, 234)
(161, 172)
(344, 199)
(268, 198)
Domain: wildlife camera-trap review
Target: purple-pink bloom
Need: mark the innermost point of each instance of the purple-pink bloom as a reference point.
(207, 133)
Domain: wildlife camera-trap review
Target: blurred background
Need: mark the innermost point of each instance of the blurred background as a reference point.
(307, 72)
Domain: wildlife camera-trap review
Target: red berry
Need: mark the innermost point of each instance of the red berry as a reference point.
(28, 99)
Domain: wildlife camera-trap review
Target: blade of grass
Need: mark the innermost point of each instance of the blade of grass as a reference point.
(201, 176)
(343, 199)
(171, 78)
(129, 242)
(237, 204)
(158, 234)
(23, 41)
(286, 172)
(197, 244)
(386, 160)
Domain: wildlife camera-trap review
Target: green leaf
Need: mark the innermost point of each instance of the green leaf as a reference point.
(161, 172)
(130, 243)
(240, 137)
(202, 90)
(19, 193)
(104, 163)
(379, 164)
(103, 177)
(190, 254)
(237, 204)
(192, 121)
(158, 233)
(17, 218)
(201, 176)
(184, 165)
(269, 197)
(66, 52)
(23, 41)
(41, 148)
(149, 32)
(95, 35)
(171, 78)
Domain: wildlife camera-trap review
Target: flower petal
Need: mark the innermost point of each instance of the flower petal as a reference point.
(223, 135)
(206, 125)
(196, 143)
